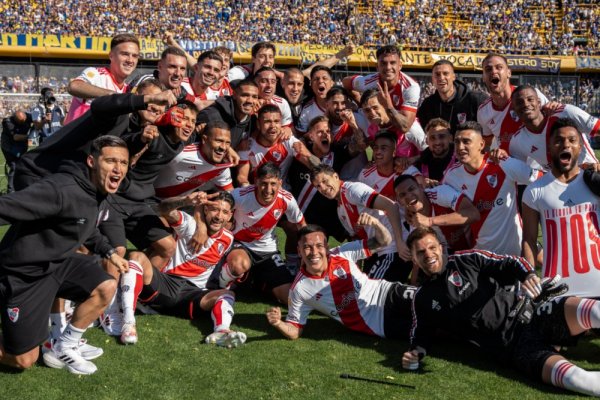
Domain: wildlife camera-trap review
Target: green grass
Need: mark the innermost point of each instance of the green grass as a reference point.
(171, 362)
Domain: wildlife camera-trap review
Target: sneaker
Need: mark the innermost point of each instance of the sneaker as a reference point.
(129, 334)
(88, 352)
(69, 358)
(112, 323)
(227, 339)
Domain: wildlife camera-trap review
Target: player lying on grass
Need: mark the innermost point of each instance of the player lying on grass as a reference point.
(332, 283)
(180, 288)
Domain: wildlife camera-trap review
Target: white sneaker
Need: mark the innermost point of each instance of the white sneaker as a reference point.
(88, 352)
(112, 323)
(129, 334)
(69, 358)
(227, 339)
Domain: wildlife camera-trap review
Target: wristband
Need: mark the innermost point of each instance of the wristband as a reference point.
(109, 253)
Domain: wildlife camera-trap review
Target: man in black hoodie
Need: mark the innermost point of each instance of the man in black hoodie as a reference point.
(452, 100)
(50, 220)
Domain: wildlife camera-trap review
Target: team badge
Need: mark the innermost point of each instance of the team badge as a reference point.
(91, 74)
(102, 216)
(513, 115)
(396, 100)
(13, 314)
(492, 180)
(461, 117)
(125, 288)
(277, 213)
(277, 155)
(220, 248)
(455, 279)
(340, 273)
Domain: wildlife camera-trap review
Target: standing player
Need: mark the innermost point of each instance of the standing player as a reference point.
(95, 82)
(332, 283)
(530, 142)
(206, 73)
(321, 80)
(263, 55)
(568, 212)
(258, 209)
(180, 288)
(171, 70)
(266, 80)
(492, 188)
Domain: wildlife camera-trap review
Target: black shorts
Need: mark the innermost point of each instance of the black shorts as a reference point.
(397, 311)
(174, 295)
(133, 220)
(534, 344)
(267, 271)
(387, 266)
(25, 301)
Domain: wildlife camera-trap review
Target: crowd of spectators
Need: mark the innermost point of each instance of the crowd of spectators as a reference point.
(529, 26)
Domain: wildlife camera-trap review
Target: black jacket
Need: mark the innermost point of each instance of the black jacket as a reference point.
(223, 109)
(50, 220)
(462, 107)
(472, 299)
(108, 115)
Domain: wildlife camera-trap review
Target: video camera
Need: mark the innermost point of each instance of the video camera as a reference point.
(47, 98)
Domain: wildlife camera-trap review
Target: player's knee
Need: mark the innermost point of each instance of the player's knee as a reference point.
(165, 247)
(27, 360)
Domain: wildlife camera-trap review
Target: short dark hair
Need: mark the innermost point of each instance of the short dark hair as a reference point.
(46, 90)
(262, 45)
(268, 169)
(106, 141)
(245, 82)
(521, 88)
(215, 124)
(334, 91)
(320, 68)
(493, 54)
(442, 62)
(311, 228)
(321, 169)
(225, 196)
(210, 55)
(419, 233)
(469, 125)
(368, 94)
(176, 51)
(263, 69)
(268, 108)
(124, 38)
(403, 178)
(222, 50)
(387, 135)
(389, 49)
(437, 122)
(563, 123)
(317, 120)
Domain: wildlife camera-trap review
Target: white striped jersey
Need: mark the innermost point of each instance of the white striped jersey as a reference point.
(309, 111)
(210, 93)
(189, 171)
(281, 154)
(196, 267)
(255, 224)
(284, 107)
(405, 95)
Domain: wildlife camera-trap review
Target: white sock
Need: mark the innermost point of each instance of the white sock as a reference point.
(569, 376)
(70, 337)
(58, 322)
(131, 284)
(222, 312)
(226, 276)
(588, 313)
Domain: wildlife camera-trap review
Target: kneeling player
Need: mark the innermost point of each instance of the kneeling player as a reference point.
(181, 287)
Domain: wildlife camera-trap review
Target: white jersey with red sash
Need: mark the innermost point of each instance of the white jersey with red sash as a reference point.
(224, 89)
(343, 292)
(196, 267)
(309, 111)
(189, 171)
(569, 215)
(343, 131)
(100, 77)
(281, 154)
(308, 190)
(528, 144)
(284, 107)
(501, 123)
(493, 190)
(405, 95)
(209, 93)
(255, 224)
(382, 184)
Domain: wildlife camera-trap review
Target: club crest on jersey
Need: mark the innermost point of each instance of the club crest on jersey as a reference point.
(102, 216)
(220, 248)
(340, 273)
(513, 115)
(276, 155)
(461, 117)
(492, 180)
(13, 314)
(277, 213)
(455, 279)
(396, 100)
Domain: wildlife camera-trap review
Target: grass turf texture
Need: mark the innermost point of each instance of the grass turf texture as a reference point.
(171, 361)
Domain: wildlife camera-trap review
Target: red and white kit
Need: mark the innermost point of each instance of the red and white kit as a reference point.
(281, 154)
(405, 95)
(255, 224)
(196, 267)
(189, 171)
(210, 94)
(284, 107)
(309, 111)
(239, 72)
(527, 144)
(492, 189)
(343, 292)
(101, 77)
(503, 123)
(569, 215)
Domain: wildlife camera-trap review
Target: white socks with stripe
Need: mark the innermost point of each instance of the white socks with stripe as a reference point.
(58, 322)
(131, 285)
(222, 312)
(568, 376)
(588, 314)
(226, 276)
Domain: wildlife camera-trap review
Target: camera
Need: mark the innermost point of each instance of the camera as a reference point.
(47, 97)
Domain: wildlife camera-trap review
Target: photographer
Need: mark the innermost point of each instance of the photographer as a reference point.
(14, 141)
(47, 116)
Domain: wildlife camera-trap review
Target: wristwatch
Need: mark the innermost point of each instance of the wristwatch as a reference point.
(110, 253)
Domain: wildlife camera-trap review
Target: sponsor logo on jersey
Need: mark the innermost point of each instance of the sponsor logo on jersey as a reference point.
(492, 180)
(533, 149)
(461, 117)
(455, 279)
(81, 221)
(13, 314)
(435, 305)
(340, 273)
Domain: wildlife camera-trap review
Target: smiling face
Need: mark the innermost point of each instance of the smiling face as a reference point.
(427, 254)
(327, 185)
(171, 70)
(264, 58)
(443, 78)
(383, 152)
(320, 84)
(109, 169)
(215, 144)
(564, 147)
(188, 125)
(207, 72)
(267, 82)
(123, 60)
(313, 251)
(439, 140)
(389, 66)
(410, 196)
(335, 105)
(217, 215)
(245, 98)
(496, 75)
(267, 188)
(375, 112)
(527, 105)
(293, 84)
